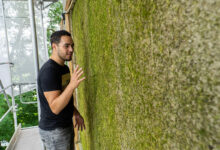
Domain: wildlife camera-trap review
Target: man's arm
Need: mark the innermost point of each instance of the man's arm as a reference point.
(79, 120)
(57, 100)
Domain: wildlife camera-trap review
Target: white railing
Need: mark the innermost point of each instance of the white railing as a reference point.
(13, 107)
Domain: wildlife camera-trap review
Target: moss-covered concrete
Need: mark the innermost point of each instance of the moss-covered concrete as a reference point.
(153, 73)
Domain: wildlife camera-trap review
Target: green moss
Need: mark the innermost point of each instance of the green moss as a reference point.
(152, 70)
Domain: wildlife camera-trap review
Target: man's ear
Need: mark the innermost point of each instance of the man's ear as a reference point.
(54, 46)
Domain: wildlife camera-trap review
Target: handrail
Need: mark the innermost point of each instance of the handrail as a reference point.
(4, 63)
(31, 102)
(27, 83)
(14, 84)
(10, 108)
(14, 138)
(2, 90)
(5, 95)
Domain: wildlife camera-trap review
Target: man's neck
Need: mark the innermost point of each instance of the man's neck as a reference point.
(57, 60)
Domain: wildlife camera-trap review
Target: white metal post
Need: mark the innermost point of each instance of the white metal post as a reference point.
(35, 47)
(6, 33)
(14, 108)
(43, 29)
(7, 46)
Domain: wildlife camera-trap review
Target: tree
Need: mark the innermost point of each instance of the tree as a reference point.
(54, 15)
(7, 124)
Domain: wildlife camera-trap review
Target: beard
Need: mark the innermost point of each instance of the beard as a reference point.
(68, 59)
(64, 57)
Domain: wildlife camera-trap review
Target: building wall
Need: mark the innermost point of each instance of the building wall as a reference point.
(152, 74)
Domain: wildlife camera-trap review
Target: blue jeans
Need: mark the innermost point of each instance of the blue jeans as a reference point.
(58, 139)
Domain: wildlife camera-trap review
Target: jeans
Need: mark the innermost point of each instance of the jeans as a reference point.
(58, 139)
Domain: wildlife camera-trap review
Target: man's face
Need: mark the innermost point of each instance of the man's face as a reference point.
(65, 48)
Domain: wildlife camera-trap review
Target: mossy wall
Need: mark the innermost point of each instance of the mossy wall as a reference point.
(153, 73)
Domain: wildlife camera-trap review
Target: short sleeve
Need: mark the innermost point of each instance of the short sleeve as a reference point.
(50, 79)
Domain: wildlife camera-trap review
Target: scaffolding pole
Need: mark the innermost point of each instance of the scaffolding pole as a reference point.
(43, 29)
(7, 46)
(35, 47)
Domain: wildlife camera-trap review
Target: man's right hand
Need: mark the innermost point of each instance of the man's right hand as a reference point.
(75, 78)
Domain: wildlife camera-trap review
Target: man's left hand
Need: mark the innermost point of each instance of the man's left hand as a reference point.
(79, 122)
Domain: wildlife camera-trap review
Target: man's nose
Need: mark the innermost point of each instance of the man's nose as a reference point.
(71, 49)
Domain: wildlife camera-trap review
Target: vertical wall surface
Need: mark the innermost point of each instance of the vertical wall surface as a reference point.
(153, 74)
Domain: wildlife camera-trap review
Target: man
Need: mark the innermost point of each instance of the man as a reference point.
(55, 87)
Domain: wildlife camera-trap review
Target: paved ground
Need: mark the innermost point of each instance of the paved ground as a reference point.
(29, 139)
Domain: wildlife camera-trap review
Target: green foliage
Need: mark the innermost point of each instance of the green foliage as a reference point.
(54, 16)
(152, 70)
(7, 125)
(2, 148)
(26, 114)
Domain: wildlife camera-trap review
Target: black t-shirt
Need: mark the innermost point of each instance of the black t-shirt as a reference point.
(53, 76)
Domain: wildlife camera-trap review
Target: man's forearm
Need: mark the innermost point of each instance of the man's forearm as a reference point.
(62, 100)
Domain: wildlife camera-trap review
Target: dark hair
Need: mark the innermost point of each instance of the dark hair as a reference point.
(56, 36)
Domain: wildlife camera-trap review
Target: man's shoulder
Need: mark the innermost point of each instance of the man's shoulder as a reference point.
(48, 68)
(47, 64)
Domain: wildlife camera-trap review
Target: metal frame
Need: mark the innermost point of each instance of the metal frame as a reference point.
(35, 47)
(5, 114)
(13, 106)
(35, 51)
(5, 95)
(7, 46)
(42, 24)
(20, 97)
(4, 88)
(5, 63)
